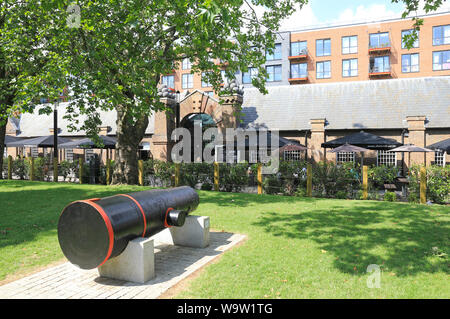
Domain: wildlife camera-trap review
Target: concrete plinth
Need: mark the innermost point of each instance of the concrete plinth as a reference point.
(136, 263)
(194, 233)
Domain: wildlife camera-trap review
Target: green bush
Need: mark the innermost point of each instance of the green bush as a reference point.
(272, 184)
(438, 183)
(300, 192)
(380, 175)
(390, 197)
(329, 178)
(233, 177)
(341, 194)
(19, 168)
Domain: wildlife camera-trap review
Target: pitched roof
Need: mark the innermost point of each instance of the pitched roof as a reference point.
(377, 104)
(35, 124)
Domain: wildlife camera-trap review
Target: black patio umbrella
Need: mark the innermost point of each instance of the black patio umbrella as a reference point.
(410, 148)
(108, 142)
(41, 141)
(351, 148)
(364, 139)
(443, 146)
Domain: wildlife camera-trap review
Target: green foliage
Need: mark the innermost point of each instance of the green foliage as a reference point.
(19, 168)
(233, 176)
(379, 175)
(390, 197)
(193, 173)
(329, 178)
(341, 194)
(272, 184)
(300, 192)
(438, 183)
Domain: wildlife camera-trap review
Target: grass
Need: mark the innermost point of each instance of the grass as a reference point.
(296, 247)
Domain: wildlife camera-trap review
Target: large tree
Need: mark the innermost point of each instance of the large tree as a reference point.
(111, 54)
(21, 55)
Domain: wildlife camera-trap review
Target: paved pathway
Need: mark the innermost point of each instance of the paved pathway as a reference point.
(172, 264)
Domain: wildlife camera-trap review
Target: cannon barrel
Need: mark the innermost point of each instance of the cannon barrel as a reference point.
(92, 231)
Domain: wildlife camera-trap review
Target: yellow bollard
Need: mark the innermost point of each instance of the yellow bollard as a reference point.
(141, 172)
(216, 176)
(32, 169)
(423, 185)
(9, 167)
(309, 180)
(108, 171)
(259, 176)
(80, 171)
(177, 174)
(365, 183)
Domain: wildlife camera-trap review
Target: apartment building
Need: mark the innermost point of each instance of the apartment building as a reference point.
(355, 52)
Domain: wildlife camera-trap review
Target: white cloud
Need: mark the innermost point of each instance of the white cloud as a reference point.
(300, 18)
(370, 13)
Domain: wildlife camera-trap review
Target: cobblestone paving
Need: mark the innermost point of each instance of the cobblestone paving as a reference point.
(172, 264)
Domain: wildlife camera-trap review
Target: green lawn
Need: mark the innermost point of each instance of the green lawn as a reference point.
(296, 247)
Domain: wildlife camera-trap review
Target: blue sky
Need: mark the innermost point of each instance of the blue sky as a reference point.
(329, 10)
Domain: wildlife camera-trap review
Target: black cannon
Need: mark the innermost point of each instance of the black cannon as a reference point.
(92, 231)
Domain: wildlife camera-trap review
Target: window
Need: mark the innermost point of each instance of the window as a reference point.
(323, 47)
(349, 68)
(69, 154)
(292, 155)
(186, 65)
(439, 158)
(342, 157)
(386, 158)
(204, 82)
(441, 35)
(273, 73)
(299, 70)
(441, 60)
(169, 80)
(379, 40)
(408, 32)
(187, 81)
(323, 70)
(410, 63)
(298, 48)
(379, 64)
(249, 75)
(276, 55)
(209, 93)
(349, 44)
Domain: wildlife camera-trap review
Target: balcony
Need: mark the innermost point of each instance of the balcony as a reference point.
(382, 48)
(298, 78)
(300, 55)
(380, 71)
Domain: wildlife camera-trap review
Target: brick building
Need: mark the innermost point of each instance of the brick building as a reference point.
(323, 83)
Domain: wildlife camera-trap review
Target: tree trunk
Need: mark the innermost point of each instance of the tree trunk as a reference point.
(2, 146)
(129, 135)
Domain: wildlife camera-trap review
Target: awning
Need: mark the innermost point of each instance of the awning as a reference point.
(364, 139)
(42, 141)
(108, 142)
(443, 146)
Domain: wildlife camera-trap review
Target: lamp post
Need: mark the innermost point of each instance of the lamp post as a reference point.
(55, 141)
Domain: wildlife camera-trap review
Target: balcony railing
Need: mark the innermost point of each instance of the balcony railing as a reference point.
(380, 47)
(379, 71)
(298, 78)
(302, 54)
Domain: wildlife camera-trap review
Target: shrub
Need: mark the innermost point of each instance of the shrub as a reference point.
(390, 197)
(380, 175)
(438, 183)
(272, 184)
(233, 176)
(19, 168)
(412, 198)
(300, 192)
(207, 186)
(329, 178)
(341, 194)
